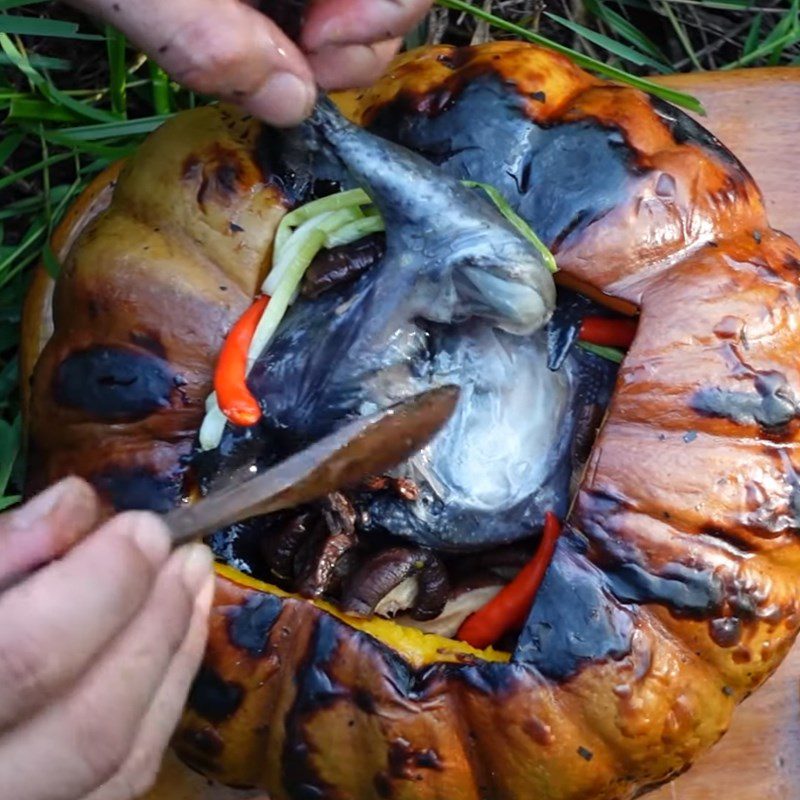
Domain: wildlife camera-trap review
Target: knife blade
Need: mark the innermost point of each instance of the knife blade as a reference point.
(361, 448)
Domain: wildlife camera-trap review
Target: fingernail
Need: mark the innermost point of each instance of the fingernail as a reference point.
(197, 561)
(332, 32)
(283, 100)
(148, 533)
(206, 594)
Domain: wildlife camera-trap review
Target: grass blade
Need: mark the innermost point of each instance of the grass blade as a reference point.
(50, 261)
(40, 62)
(113, 130)
(32, 168)
(751, 42)
(38, 26)
(7, 5)
(670, 95)
(681, 35)
(47, 89)
(610, 45)
(627, 30)
(32, 108)
(117, 69)
(9, 145)
(162, 96)
(784, 34)
(109, 151)
(10, 441)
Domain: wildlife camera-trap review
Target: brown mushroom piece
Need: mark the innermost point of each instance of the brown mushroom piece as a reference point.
(280, 550)
(343, 264)
(311, 551)
(329, 564)
(398, 579)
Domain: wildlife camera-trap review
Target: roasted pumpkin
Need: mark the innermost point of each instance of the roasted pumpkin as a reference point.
(672, 594)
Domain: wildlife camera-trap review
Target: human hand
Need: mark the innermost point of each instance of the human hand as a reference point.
(229, 49)
(97, 649)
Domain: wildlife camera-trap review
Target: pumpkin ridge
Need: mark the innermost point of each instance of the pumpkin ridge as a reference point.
(570, 716)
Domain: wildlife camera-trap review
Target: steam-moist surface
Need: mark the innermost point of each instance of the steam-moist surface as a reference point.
(674, 591)
(460, 297)
(514, 413)
(501, 461)
(661, 608)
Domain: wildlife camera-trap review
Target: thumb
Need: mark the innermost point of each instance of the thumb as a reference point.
(45, 528)
(219, 47)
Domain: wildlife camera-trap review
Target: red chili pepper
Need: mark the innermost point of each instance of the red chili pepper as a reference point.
(508, 609)
(608, 331)
(235, 399)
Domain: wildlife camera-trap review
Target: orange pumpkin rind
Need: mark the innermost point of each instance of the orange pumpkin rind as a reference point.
(681, 540)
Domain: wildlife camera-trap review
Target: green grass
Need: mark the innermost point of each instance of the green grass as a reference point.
(655, 36)
(75, 96)
(63, 123)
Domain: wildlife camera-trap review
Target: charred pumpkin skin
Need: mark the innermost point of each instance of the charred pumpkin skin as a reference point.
(672, 592)
(37, 312)
(141, 306)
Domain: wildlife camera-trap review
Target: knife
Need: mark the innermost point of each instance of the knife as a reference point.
(367, 446)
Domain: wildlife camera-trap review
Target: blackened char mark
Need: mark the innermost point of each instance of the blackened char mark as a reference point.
(295, 166)
(791, 262)
(316, 690)
(139, 488)
(686, 131)
(698, 588)
(696, 591)
(212, 697)
(559, 178)
(689, 591)
(193, 756)
(218, 174)
(382, 784)
(405, 760)
(773, 405)
(456, 58)
(249, 625)
(564, 326)
(113, 383)
(407, 764)
(726, 632)
(495, 679)
(206, 741)
(576, 619)
(283, 166)
(771, 518)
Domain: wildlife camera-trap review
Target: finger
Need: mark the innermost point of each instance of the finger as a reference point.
(220, 47)
(348, 66)
(45, 528)
(79, 743)
(332, 22)
(58, 620)
(139, 772)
